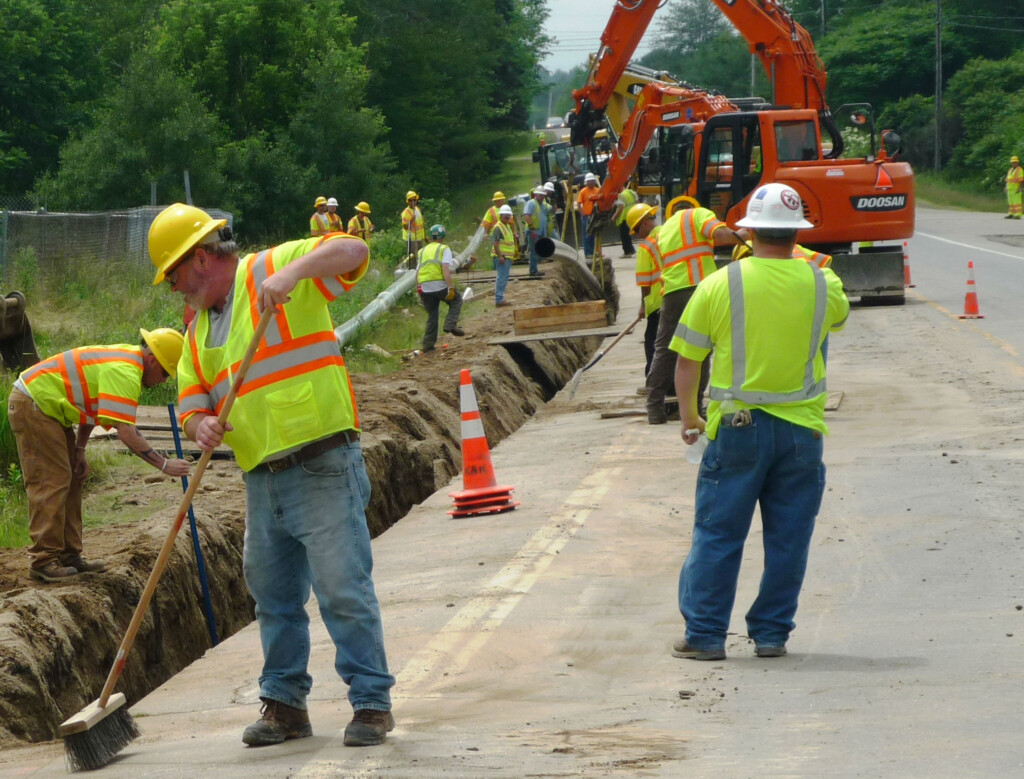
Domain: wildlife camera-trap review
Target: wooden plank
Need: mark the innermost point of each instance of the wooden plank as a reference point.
(601, 332)
(554, 325)
(585, 308)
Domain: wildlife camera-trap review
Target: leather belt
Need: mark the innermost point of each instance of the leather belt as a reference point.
(309, 451)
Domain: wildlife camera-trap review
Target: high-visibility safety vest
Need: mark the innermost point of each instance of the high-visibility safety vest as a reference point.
(360, 226)
(628, 198)
(505, 237)
(1014, 176)
(687, 249)
(430, 263)
(491, 218)
(333, 222)
(648, 270)
(550, 210)
(777, 368)
(90, 385)
(817, 258)
(297, 389)
(319, 225)
(412, 224)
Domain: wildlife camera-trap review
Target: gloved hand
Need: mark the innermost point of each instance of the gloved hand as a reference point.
(451, 294)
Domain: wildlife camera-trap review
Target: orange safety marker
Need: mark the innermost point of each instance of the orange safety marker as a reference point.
(481, 493)
(971, 299)
(906, 267)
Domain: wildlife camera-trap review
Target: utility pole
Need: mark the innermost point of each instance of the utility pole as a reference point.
(938, 85)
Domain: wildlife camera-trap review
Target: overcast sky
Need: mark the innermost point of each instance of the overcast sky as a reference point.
(577, 25)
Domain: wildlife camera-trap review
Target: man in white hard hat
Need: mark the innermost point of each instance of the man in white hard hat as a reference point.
(585, 205)
(536, 219)
(333, 220)
(549, 209)
(503, 252)
(765, 317)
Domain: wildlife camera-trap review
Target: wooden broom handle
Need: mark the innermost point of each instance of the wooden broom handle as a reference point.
(186, 501)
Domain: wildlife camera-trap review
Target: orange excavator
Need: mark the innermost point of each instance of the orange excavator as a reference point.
(717, 151)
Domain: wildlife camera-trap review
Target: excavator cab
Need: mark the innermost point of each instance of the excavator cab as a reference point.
(730, 163)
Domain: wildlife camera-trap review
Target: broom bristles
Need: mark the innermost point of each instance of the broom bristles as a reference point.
(94, 748)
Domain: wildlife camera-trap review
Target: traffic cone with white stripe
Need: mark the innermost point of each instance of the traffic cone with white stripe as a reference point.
(971, 299)
(906, 267)
(480, 491)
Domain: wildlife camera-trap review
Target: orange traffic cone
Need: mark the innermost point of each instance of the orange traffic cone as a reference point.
(906, 267)
(481, 493)
(971, 299)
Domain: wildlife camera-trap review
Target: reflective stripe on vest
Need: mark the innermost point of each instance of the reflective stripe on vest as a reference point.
(694, 253)
(412, 220)
(813, 257)
(507, 244)
(647, 279)
(333, 222)
(359, 224)
(628, 198)
(737, 325)
(430, 263)
(67, 371)
(319, 224)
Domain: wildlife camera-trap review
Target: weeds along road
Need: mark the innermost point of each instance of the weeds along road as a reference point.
(536, 643)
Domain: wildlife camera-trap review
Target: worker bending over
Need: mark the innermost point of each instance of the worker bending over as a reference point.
(436, 285)
(642, 221)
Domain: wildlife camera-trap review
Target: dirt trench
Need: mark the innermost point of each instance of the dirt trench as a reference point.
(58, 642)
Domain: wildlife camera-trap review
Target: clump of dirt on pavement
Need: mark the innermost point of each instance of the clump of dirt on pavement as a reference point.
(58, 641)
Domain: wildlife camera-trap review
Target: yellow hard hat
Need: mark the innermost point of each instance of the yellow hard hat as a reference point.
(741, 250)
(678, 202)
(1014, 158)
(174, 232)
(363, 206)
(498, 196)
(410, 195)
(320, 201)
(166, 345)
(637, 213)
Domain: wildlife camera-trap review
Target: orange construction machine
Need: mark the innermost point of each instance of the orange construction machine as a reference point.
(717, 151)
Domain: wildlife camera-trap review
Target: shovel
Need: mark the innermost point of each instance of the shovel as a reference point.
(574, 382)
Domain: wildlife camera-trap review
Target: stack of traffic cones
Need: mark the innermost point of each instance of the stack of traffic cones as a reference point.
(971, 299)
(480, 491)
(906, 267)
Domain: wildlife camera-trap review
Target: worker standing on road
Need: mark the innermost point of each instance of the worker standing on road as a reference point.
(687, 243)
(1014, 182)
(503, 253)
(765, 317)
(436, 285)
(333, 219)
(412, 225)
(536, 219)
(585, 205)
(319, 224)
(360, 225)
(87, 386)
(295, 432)
(626, 200)
(642, 220)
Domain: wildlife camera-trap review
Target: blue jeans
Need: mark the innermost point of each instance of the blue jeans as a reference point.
(305, 527)
(588, 239)
(774, 463)
(531, 237)
(502, 269)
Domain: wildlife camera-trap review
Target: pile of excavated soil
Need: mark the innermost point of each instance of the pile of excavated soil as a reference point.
(58, 641)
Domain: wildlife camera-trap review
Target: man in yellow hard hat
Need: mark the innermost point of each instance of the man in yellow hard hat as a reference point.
(294, 429)
(333, 220)
(319, 223)
(491, 217)
(360, 225)
(642, 221)
(1014, 182)
(87, 386)
(412, 226)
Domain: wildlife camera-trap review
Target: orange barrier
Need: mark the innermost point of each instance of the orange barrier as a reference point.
(971, 299)
(481, 493)
(906, 267)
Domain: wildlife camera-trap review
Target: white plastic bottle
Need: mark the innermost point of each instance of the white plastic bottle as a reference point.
(695, 452)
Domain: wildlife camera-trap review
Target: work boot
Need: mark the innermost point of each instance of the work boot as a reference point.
(536, 274)
(53, 571)
(1008, 216)
(456, 331)
(368, 728)
(682, 649)
(84, 566)
(502, 303)
(279, 722)
(657, 415)
(765, 650)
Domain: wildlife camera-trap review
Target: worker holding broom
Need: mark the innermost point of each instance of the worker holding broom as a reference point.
(294, 429)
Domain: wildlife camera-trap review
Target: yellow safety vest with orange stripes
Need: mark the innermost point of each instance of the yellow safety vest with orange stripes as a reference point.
(360, 226)
(687, 249)
(333, 222)
(412, 224)
(90, 385)
(491, 218)
(648, 270)
(318, 224)
(818, 258)
(297, 389)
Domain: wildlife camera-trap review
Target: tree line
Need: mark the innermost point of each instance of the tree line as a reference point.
(267, 103)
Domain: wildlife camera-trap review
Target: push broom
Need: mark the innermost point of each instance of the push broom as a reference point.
(103, 728)
(574, 382)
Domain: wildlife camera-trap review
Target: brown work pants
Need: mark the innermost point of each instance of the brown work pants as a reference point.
(47, 452)
(662, 373)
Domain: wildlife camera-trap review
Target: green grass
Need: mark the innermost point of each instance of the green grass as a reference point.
(934, 190)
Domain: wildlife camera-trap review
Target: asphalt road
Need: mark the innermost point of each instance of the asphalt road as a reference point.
(536, 643)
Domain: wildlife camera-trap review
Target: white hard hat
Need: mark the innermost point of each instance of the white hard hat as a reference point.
(549, 186)
(775, 206)
(540, 191)
(331, 201)
(590, 177)
(505, 211)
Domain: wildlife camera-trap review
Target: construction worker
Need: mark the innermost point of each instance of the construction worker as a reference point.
(412, 225)
(87, 386)
(360, 225)
(319, 224)
(585, 206)
(626, 200)
(536, 219)
(333, 220)
(436, 285)
(687, 243)
(549, 208)
(294, 429)
(491, 216)
(762, 316)
(503, 252)
(1014, 182)
(642, 221)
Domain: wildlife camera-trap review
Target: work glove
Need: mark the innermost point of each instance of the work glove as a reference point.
(451, 294)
